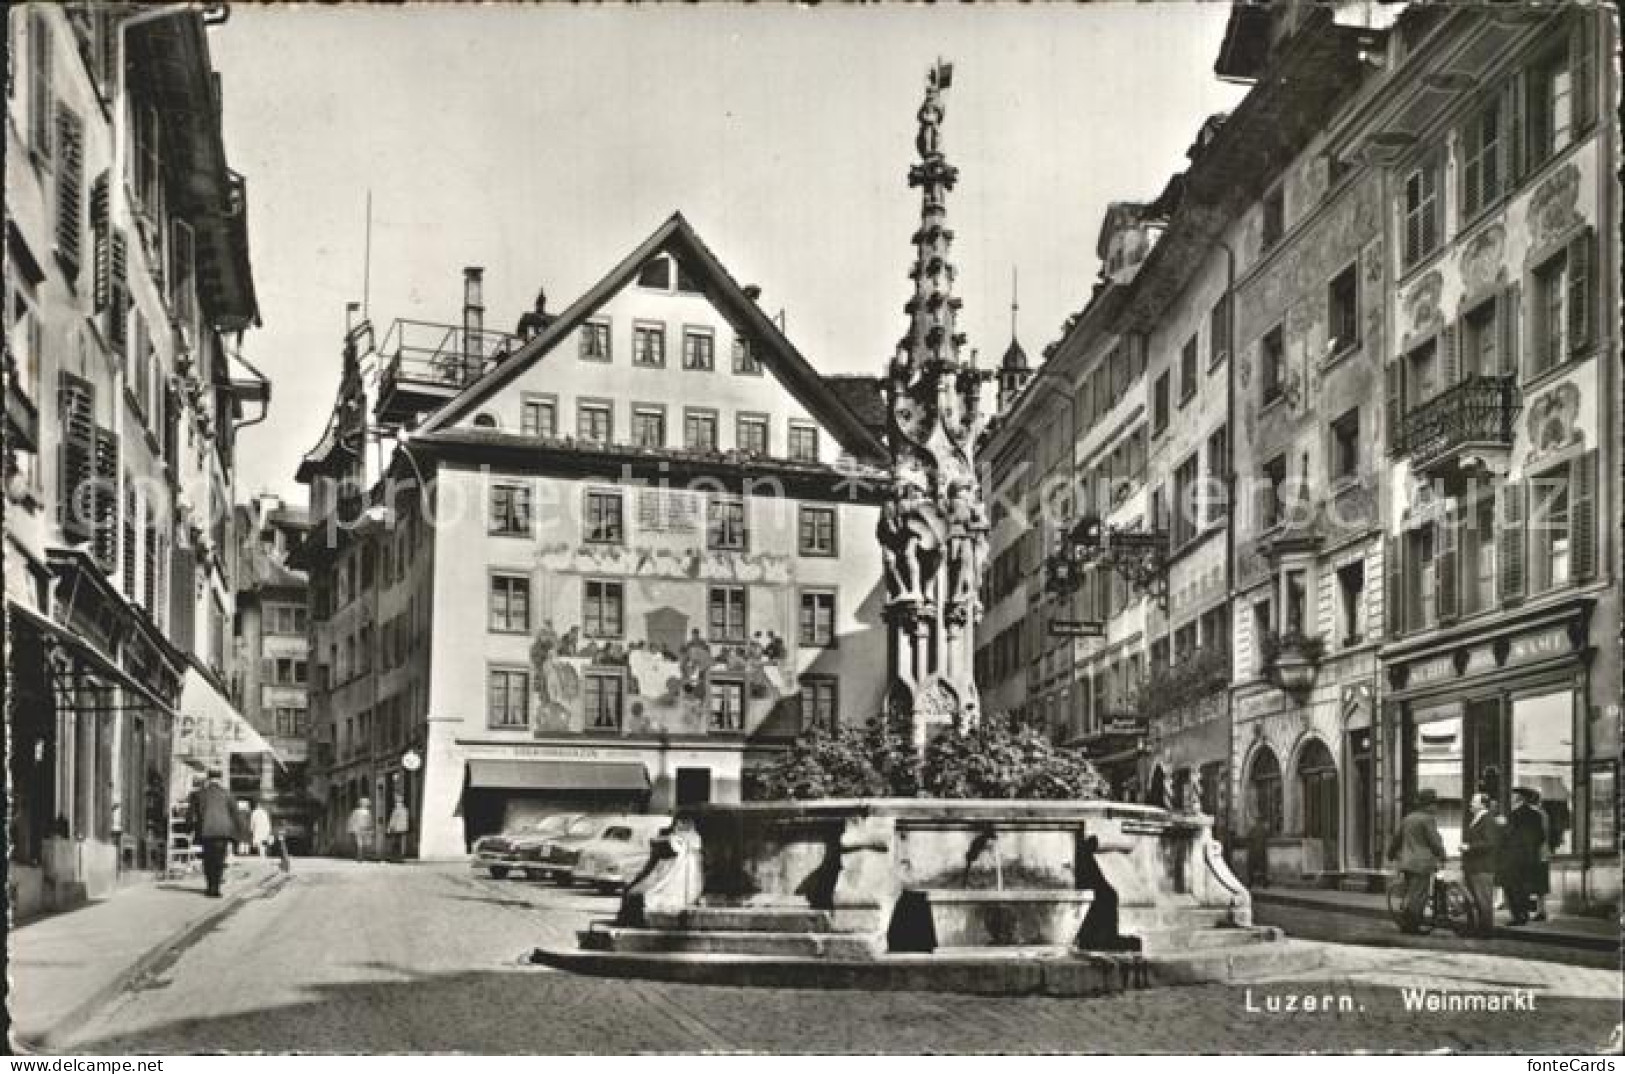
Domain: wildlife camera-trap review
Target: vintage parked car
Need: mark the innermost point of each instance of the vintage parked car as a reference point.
(551, 858)
(616, 857)
(501, 853)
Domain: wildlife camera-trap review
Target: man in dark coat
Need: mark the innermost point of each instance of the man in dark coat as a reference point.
(1419, 851)
(1480, 845)
(1520, 853)
(214, 826)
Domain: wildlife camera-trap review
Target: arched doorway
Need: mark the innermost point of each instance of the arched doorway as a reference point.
(1317, 782)
(1264, 791)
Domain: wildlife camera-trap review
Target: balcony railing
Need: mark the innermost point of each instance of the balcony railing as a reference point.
(440, 355)
(1479, 410)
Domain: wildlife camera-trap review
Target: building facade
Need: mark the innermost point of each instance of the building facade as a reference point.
(127, 288)
(644, 559)
(1382, 405)
(1502, 398)
(271, 667)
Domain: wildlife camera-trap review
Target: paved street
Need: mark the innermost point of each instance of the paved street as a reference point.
(377, 957)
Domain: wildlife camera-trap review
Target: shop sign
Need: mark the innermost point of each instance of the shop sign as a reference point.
(533, 752)
(1436, 670)
(1542, 646)
(1481, 659)
(1123, 725)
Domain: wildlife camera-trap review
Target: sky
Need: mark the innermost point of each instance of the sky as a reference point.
(544, 142)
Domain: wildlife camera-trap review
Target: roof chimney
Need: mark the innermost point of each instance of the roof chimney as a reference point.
(473, 322)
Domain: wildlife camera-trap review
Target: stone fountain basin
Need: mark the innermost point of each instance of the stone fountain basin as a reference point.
(928, 919)
(864, 877)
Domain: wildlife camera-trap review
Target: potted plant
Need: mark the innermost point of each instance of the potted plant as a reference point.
(1291, 659)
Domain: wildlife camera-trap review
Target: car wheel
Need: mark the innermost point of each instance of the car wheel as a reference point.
(499, 872)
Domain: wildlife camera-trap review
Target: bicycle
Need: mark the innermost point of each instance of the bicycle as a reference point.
(1447, 903)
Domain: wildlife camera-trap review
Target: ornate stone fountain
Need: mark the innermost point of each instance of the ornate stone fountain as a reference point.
(988, 895)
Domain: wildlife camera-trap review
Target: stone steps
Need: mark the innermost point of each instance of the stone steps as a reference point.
(1174, 941)
(983, 971)
(1141, 918)
(764, 919)
(830, 945)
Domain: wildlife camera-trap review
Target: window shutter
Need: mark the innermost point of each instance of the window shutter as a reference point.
(69, 185)
(1449, 354)
(1395, 574)
(1511, 542)
(267, 669)
(149, 571)
(101, 245)
(129, 540)
(159, 580)
(75, 461)
(1583, 515)
(1395, 373)
(1513, 151)
(1582, 62)
(1581, 278)
(39, 85)
(1446, 566)
(118, 295)
(107, 500)
(1507, 317)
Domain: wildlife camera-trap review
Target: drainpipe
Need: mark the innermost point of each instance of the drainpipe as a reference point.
(1230, 508)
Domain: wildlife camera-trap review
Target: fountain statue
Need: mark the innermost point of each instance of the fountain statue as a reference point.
(933, 529)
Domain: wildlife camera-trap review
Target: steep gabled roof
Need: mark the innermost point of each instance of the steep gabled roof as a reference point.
(776, 352)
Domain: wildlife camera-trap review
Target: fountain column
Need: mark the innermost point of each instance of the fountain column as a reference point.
(933, 529)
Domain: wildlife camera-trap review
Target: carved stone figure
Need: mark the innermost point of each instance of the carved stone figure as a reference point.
(932, 532)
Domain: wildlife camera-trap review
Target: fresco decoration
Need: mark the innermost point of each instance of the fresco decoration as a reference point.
(666, 690)
(1552, 422)
(1422, 306)
(1552, 209)
(1373, 273)
(1482, 266)
(687, 563)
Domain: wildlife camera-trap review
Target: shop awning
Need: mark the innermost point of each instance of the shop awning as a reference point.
(558, 776)
(209, 729)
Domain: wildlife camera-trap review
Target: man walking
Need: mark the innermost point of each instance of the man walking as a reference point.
(400, 822)
(1420, 852)
(214, 826)
(1520, 853)
(360, 827)
(1480, 846)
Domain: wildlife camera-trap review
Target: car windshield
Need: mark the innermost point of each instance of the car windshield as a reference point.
(551, 825)
(584, 826)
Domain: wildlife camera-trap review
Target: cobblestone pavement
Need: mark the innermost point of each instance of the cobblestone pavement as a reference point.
(361, 958)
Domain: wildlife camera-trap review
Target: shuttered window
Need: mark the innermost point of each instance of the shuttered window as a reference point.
(1421, 213)
(107, 500)
(76, 402)
(149, 570)
(1510, 547)
(39, 85)
(1482, 160)
(131, 549)
(1583, 516)
(70, 164)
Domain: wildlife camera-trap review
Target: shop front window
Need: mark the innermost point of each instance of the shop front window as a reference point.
(1543, 758)
(1439, 750)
